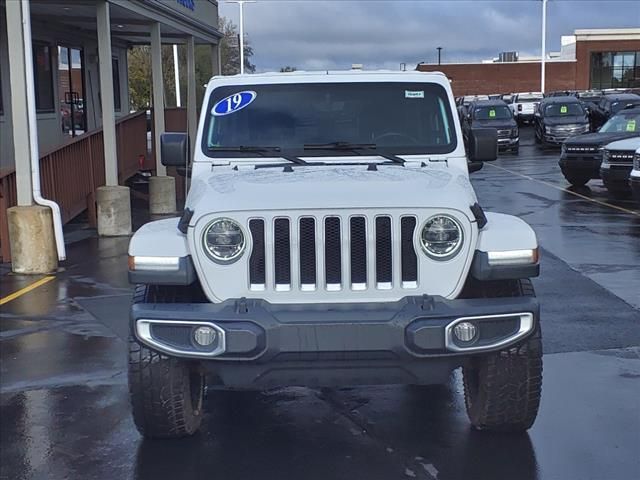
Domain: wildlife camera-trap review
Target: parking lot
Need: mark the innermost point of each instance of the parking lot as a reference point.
(64, 400)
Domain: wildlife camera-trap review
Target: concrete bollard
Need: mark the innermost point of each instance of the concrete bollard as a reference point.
(162, 195)
(114, 211)
(32, 240)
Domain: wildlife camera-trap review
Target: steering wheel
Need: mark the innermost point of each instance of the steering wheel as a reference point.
(396, 134)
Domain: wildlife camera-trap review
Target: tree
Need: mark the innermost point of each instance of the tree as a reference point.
(139, 59)
(230, 49)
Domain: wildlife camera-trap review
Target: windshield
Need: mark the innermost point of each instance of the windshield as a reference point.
(563, 110)
(617, 106)
(398, 117)
(623, 122)
(492, 113)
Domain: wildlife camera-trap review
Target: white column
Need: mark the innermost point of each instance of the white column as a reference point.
(192, 107)
(158, 94)
(176, 74)
(216, 62)
(18, 99)
(544, 47)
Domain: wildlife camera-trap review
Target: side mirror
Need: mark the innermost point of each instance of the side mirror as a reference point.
(483, 144)
(174, 148)
(474, 166)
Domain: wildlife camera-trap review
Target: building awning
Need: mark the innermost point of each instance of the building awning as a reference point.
(131, 20)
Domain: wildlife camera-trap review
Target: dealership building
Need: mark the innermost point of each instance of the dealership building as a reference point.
(590, 58)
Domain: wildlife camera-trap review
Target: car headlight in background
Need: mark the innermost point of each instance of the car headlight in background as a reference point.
(605, 156)
(223, 240)
(563, 149)
(514, 132)
(547, 129)
(441, 237)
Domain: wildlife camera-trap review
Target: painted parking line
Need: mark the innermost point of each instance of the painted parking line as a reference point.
(26, 289)
(562, 189)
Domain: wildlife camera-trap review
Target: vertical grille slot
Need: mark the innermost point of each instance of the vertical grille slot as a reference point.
(384, 255)
(332, 253)
(307, 240)
(282, 254)
(409, 262)
(358, 250)
(257, 272)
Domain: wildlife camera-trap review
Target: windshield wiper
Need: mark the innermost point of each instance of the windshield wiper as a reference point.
(257, 149)
(355, 147)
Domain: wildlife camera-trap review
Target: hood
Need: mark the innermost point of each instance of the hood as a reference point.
(497, 124)
(598, 138)
(330, 187)
(569, 120)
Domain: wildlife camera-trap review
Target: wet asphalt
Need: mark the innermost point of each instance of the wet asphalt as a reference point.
(64, 410)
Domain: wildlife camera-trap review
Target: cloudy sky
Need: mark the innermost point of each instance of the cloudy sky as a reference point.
(320, 34)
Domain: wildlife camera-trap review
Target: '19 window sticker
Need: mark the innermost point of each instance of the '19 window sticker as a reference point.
(233, 103)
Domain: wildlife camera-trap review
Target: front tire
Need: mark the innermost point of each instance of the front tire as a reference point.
(503, 389)
(166, 393)
(576, 179)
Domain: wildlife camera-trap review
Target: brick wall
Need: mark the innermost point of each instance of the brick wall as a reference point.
(487, 78)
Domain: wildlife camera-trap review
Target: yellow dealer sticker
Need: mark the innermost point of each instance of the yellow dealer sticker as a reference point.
(563, 109)
(492, 113)
(631, 126)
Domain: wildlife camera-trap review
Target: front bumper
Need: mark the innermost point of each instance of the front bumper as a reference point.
(506, 143)
(260, 345)
(616, 178)
(580, 163)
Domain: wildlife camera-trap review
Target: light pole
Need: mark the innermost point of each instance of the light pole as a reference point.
(439, 50)
(544, 45)
(176, 74)
(241, 5)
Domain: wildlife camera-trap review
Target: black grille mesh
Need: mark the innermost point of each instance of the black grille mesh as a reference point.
(307, 251)
(383, 250)
(358, 250)
(282, 252)
(257, 259)
(409, 258)
(332, 250)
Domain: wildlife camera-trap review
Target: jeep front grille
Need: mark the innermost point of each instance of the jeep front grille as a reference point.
(333, 253)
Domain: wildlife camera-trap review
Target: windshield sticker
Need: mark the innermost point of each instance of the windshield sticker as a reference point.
(492, 113)
(233, 103)
(414, 94)
(631, 126)
(564, 109)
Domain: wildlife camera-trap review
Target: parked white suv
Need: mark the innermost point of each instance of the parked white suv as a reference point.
(331, 237)
(634, 177)
(524, 106)
(617, 163)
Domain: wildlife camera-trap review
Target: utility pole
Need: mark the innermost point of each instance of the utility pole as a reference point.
(176, 73)
(241, 42)
(544, 46)
(439, 50)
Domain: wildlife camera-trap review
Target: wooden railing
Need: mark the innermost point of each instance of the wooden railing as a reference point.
(71, 173)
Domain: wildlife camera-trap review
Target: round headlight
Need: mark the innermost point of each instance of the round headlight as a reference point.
(441, 237)
(223, 240)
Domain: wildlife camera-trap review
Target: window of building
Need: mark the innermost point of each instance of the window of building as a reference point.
(43, 77)
(115, 67)
(615, 70)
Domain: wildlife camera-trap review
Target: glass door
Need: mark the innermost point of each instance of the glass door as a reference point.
(71, 91)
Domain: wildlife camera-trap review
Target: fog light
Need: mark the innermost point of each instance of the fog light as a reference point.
(205, 336)
(465, 331)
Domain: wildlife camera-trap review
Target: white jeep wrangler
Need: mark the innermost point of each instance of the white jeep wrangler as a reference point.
(331, 237)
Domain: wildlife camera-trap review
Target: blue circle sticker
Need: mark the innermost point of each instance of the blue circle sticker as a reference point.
(233, 103)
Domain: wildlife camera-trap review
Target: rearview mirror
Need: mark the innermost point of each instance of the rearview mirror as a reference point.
(174, 148)
(483, 144)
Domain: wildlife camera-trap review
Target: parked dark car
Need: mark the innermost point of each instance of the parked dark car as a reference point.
(558, 118)
(582, 155)
(560, 93)
(609, 105)
(493, 114)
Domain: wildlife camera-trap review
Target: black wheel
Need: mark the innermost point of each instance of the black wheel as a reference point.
(502, 390)
(166, 393)
(536, 137)
(620, 194)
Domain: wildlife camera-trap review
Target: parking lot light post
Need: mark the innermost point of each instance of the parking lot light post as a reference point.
(439, 50)
(241, 21)
(544, 46)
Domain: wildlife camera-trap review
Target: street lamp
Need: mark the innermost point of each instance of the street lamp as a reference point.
(544, 47)
(439, 50)
(241, 5)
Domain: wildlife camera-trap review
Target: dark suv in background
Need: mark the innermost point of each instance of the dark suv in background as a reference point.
(582, 155)
(493, 114)
(558, 118)
(609, 105)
